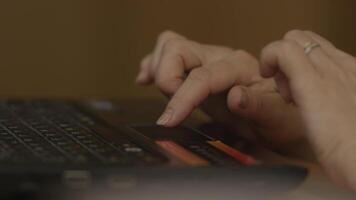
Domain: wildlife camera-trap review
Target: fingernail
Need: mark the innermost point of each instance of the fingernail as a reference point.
(244, 99)
(165, 117)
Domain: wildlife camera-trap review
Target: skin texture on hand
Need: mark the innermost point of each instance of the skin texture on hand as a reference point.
(322, 84)
(225, 83)
(296, 94)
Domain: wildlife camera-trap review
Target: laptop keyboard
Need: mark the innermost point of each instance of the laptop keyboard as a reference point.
(50, 132)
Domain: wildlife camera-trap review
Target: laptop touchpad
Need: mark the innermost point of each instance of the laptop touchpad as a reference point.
(193, 147)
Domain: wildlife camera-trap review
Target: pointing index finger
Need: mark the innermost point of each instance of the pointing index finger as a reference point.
(240, 68)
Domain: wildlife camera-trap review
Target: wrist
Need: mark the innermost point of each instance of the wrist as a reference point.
(340, 163)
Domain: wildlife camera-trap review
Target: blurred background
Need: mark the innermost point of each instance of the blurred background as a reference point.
(92, 48)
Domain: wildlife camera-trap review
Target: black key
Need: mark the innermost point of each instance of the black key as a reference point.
(52, 131)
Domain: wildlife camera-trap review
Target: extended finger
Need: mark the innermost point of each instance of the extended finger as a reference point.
(204, 81)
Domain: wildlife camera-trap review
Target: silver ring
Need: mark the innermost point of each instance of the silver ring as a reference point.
(309, 46)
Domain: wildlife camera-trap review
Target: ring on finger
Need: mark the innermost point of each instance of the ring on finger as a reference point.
(310, 46)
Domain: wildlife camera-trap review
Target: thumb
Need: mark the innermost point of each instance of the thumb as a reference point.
(279, 122)
(260, 106)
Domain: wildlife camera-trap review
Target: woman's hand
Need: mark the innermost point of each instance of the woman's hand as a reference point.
(225, 83)
(322, 84)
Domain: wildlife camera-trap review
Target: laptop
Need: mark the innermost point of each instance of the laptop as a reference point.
(98, 149)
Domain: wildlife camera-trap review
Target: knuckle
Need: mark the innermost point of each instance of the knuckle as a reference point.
(201, 74)
(166, 34)
(243, 54)
(160, 82)
(289, 46)
(309, 32)
(265, 50)
(167, 86)
(246, 59)
(292, 34)
(173, 45)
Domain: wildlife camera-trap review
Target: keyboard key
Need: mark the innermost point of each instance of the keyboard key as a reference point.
(56, 132)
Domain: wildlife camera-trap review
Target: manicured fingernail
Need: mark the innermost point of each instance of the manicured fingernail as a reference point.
(244, 99)
(165, 117)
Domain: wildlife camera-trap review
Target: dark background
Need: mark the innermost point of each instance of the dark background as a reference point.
(92, 48)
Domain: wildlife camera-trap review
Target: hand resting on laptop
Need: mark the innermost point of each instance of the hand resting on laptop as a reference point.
(225, 83)
(307, 91)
